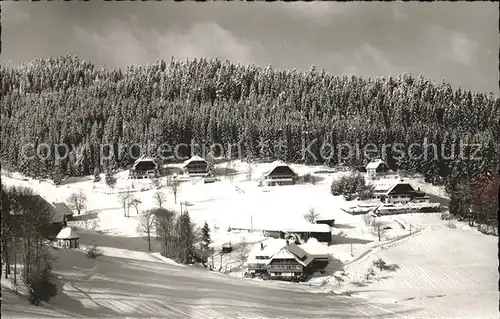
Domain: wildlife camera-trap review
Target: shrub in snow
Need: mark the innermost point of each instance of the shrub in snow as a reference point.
(370, 272)
(379, 263)
(93, 252)
(41, 289)
(38, 282)
(351, 185)
(97, 175)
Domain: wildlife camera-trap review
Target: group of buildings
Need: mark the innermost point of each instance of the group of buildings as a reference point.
(196, 166)
(392, 192)
(60, 214)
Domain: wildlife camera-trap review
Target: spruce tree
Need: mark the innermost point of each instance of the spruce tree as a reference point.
(205, 236)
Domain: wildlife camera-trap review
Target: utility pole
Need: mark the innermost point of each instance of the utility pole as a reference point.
(251, 224)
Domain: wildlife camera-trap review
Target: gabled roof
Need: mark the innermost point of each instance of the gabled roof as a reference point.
(195, 158)
(284, 253)
(296, 250)
(292, 251)
(315, 248)
(276, 164)
(408, 185)
(67, 233)
(143, 158)
(63, 208)
(271, 247)
(55, 215)
(374, 164)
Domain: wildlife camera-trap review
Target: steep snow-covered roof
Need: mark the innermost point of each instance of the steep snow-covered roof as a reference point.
(271, 247)
(384, 187)
(195, 158)
(315, 248)
(67, 233)
(143, 158)
(63, 208)
(278, 163)
(284, 254)
(374, 164)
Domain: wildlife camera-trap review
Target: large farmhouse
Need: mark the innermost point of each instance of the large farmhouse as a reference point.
(144, 167)
(260, 255)
(280, 259)
(280, 174)
(57, 218)
(196, 166)
(398, 193)
(374, 167)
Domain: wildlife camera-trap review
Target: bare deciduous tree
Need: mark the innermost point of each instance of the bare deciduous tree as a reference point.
(110, 180)
(244, 250)
(165, 221)
(146, 225)
(229, 170)
(155, 182)
(124, 198)
(379, 229)
(134, 201)
(249, 172)
(174, 185)
(160, 198)
(77, 201)
(311, 216)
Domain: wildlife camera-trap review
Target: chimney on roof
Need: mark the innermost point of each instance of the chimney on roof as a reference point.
(287, 242)
(261, 246)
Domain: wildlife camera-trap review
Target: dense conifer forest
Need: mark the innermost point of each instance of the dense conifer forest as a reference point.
(67, 100)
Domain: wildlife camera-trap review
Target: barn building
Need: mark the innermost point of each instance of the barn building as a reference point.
(399, 193)
(196, 166)
(144, 167)
(294, 263)
(375, 167)
(260, 255)
(64, 210)
(280, 174)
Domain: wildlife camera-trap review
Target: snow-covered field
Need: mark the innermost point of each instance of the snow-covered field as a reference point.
(442, 269)
(445, 270)
(238, 203)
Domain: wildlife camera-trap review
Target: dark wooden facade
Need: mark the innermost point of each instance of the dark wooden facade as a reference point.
(281, 175)
(144, 168)
(196, 167)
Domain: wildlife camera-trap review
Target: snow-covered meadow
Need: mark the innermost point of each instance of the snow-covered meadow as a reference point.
(441, 268)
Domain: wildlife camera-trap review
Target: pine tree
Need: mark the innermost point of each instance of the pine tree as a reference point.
(205, 236)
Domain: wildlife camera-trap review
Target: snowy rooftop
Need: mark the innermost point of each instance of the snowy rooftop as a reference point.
(318, 228)
(194, 158)
(143, 158)
(374, 164)
(285, 254)
(67, 233)
(271, 247)
(277, 164)
(314, 247)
